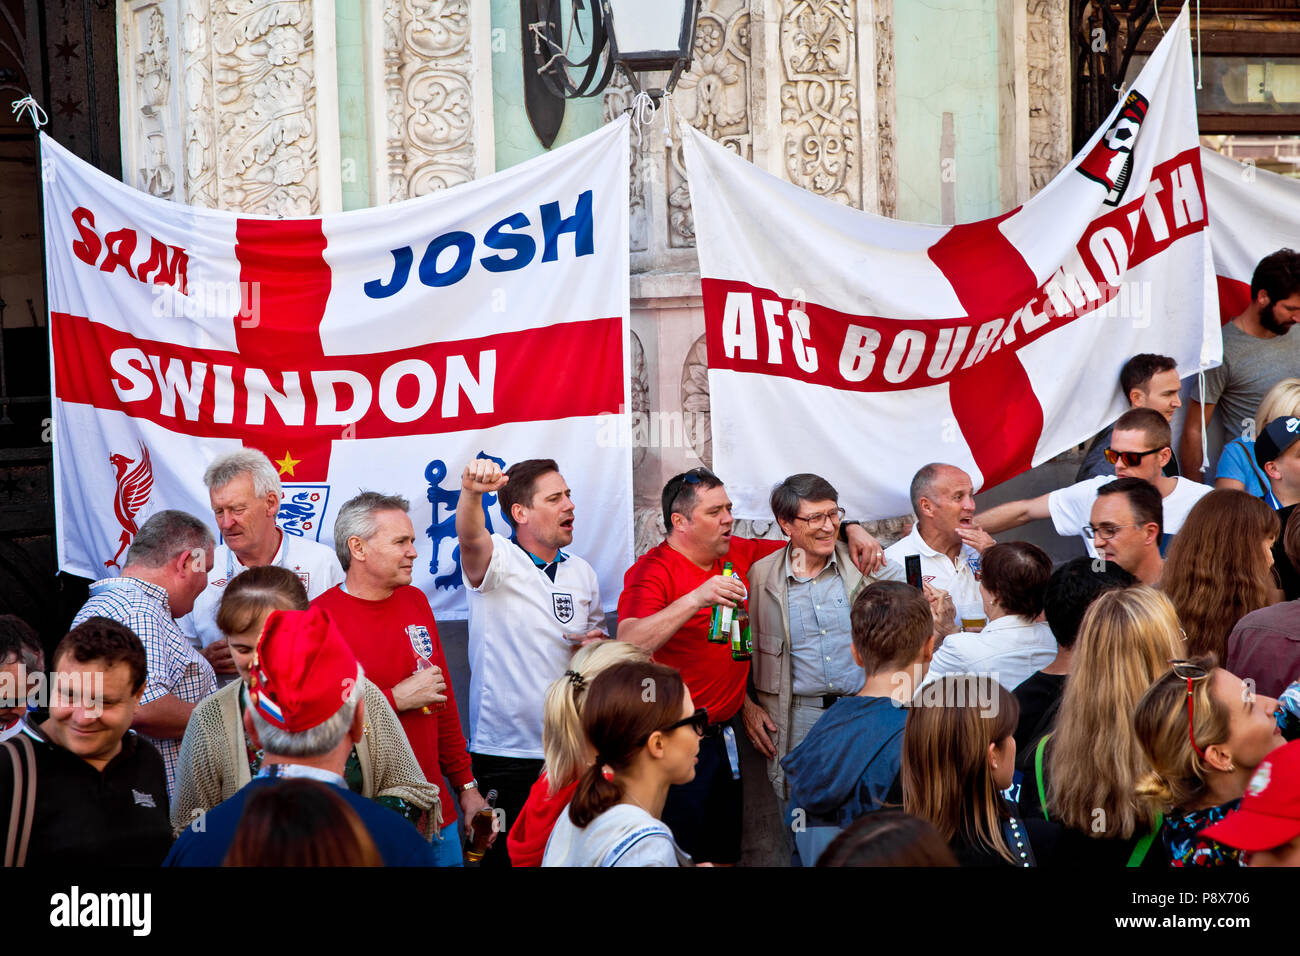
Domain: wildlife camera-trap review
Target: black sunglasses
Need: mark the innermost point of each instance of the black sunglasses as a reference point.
(698, 720)
(1131, 458)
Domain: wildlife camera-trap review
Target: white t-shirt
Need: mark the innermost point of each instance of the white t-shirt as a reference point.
(624, 835)
(517, 619)
(1071, 508)
(316, 565)
(959, 578)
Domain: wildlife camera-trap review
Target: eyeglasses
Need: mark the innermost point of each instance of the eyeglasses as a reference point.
(1104, 532)
(673, 490)
(698, 721)
(834, 516)
(1192, 672)
(1131, 458)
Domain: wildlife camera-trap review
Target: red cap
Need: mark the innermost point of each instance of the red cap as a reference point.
(302, 672)
(1269, 815)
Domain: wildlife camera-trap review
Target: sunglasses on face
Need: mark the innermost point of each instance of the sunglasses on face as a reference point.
(1130, 458)
(698, 721)
(1191, 672)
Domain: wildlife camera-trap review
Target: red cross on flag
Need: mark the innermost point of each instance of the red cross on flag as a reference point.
(860, 348)
(1252, 213)
(377, 349)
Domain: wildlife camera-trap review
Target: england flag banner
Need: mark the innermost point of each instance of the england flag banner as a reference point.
(379, 349)
(860, 347)
(1252, 212)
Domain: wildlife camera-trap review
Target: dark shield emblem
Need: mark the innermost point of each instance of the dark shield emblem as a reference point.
(563, 604)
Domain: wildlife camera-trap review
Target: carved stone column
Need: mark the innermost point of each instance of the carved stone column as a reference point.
(231, 104)
(1049, 90)
(433, 114)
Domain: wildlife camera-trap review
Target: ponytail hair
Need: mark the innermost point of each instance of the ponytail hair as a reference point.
(564, 745)
(1178, 777)
(625, 704)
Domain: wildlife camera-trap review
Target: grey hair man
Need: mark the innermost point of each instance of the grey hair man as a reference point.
(166, 569)
(945, 536)
(389, 626)
(245, 493)
(799, 602)
(305, 710)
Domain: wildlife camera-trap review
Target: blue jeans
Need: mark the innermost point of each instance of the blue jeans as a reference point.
(447, 850)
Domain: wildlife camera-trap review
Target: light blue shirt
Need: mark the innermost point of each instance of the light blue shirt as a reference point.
(821, 637)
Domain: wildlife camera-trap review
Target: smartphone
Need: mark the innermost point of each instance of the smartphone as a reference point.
(912, 564)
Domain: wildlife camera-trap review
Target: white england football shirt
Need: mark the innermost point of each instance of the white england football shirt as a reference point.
(517, 619)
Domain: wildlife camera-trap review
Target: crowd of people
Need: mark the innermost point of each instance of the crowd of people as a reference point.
(948, 700)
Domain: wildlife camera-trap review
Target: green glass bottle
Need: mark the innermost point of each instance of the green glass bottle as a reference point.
(720, 626)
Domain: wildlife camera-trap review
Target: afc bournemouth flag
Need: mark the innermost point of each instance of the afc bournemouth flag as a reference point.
(1252, 212)
(861, 348)
(378, 349)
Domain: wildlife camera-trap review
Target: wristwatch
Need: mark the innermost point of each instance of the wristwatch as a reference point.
(844, 529)
(472, 785)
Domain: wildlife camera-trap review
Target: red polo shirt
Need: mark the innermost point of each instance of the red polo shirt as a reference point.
(660, 577)
(376, 632)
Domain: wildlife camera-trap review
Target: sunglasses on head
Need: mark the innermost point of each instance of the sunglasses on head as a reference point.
(673, 490)
(1131, 458)
(1191, 672)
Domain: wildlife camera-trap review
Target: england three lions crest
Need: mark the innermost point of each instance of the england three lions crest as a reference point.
(421, 642)
(563, 607)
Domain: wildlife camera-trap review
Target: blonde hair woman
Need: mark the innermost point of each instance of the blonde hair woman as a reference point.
(1237, 469)
(1090, 764)
(215, 760)
(1203, 731)
(565, 748)
(959, 754)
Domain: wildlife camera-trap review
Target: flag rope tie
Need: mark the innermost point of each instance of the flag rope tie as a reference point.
(643, 113)
(29, 105)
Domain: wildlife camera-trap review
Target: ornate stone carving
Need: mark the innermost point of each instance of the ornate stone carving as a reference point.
(886, 109)
(695, 400)
(639, 374)
(714, 97)
(1049, 128)
(199, 107)
(819, 113)
(153, 78)
(429, 99)
(266, 100)
(616, 102)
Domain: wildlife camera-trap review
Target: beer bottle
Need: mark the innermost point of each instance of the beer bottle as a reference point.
(482, 825)
(742, 642)
(720, 626)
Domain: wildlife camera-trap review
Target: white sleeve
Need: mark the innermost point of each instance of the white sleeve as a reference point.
(948, 659)
(1071, 507)
(496, 569)
(653, 850)
(596, 613)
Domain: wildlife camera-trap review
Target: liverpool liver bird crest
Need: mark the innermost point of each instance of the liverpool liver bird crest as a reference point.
(133, 487)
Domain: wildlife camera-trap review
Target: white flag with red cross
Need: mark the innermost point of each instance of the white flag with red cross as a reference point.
(378, 349)
(1252, 213)
(861, 348)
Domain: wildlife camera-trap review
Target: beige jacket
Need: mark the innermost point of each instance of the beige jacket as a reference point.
(213, 761)
(769, 614)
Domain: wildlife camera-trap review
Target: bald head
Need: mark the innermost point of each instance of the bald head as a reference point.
(943, 498)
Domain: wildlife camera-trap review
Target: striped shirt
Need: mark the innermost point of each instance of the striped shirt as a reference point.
(175, 667)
